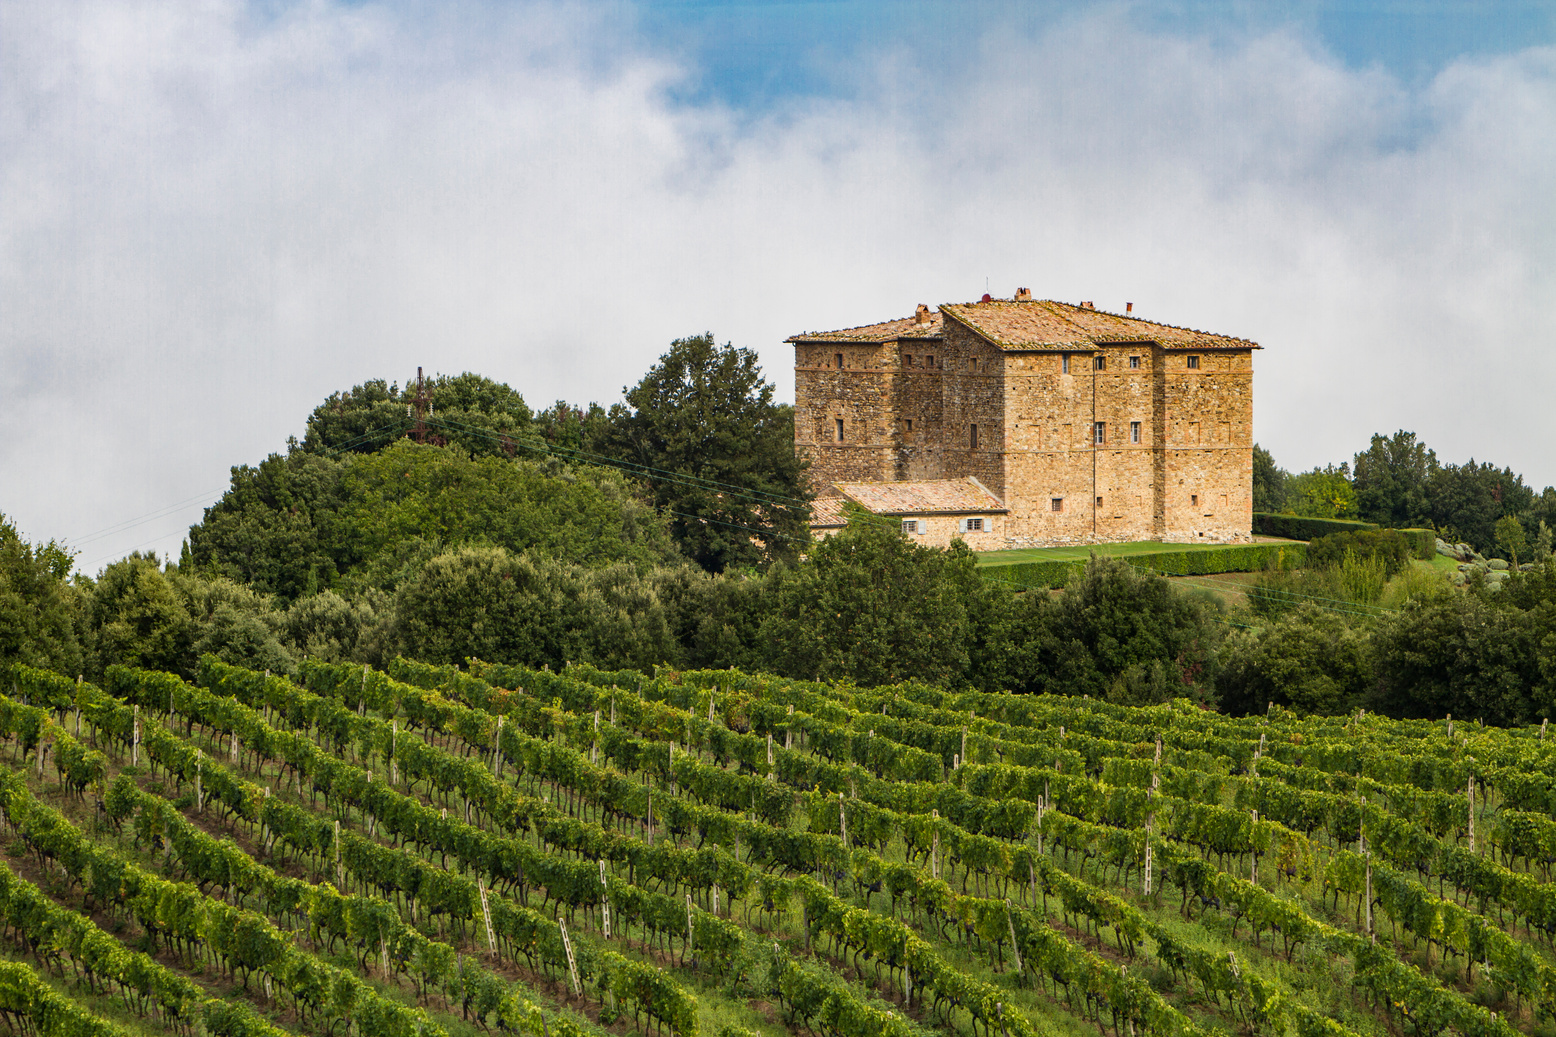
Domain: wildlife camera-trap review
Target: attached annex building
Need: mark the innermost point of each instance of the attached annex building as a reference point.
(1081, 426)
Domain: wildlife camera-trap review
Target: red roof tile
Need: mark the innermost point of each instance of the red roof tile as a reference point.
(886, 331)
(1045, 324)
(826, 512)
(931, 497)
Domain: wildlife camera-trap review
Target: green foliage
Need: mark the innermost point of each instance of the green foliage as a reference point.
(1391, 478)
(1199, 561)
(1390, 547)
(1470, 498)
(1310, 661)
(1323, 493)
(1113, 618)
(42, 614)
(871, 605)
(1302, 527)
(704, 432)
(1510, 537)
(475, 413)
(141, 618)
(1269, 482)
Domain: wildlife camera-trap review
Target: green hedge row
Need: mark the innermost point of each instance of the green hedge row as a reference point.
(1198, 561)
(1423, 542)
(1298, 527)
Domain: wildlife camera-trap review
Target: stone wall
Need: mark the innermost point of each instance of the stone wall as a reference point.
(860, 394)
(1208, 413)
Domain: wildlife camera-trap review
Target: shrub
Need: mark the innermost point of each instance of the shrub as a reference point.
(1197, 561)
(1299, 527)
(1389, 546)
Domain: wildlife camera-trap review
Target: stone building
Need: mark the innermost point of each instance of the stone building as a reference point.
(1085, 426)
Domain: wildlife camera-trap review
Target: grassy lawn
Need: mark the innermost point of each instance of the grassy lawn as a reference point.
(1083, 551)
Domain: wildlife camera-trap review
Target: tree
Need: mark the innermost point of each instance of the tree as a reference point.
(1269, 482)
(42, 614)
(702, 430)
(1390, 479)
(1323, 493)
(1311, 661)
(482, 416)
(1468, 499)
(140, 618)
(871, 606)
(1510, 535)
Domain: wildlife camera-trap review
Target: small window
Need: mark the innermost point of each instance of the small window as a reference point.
(839, 430)
(1099, 363)
(1099, 503)
(907, 360)
(1099, 432)
(1134, 363)
(910, 424)
(839, 361)
(929, 361)
(1056, 504)
(975, 525)
(1193, 363)
(1194, 500)
(1064, 364)
(973, 438)
(1134, 432)
(910, 525)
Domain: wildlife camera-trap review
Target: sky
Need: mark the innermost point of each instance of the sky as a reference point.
(214, 214)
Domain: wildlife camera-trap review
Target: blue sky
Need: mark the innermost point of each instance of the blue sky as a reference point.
(214, 215)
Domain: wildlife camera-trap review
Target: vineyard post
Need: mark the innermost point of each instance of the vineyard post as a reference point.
(788, 730)
(769, 753)
(691, 951)
(613, 711)
(362, 698)
(1150, 823)
(1370, 934)
(1253, 852)
(1123, 973)
(963, 754)
(711, 697)
(78, 707)
(572, 963)
(842, 820)
(1450, 727)
(497, 745)
(934, 845)
(236, 748)
(605, 901)
(486, 914)
(648, 826)
(340, 872)
(1543, 722)
(264, 829)
(1158, 762)
(199, 788)
(134, 736)
(43, 750)
(671, 766)
(1015, 951)
(1469, 796)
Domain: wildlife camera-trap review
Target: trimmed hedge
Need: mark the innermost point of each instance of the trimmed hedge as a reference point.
(1298, 527)
(1423, 543)
(1195, 561)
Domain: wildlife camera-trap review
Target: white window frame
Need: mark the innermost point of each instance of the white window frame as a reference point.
(966, 525)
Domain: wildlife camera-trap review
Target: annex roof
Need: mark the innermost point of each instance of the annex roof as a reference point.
(886, 331)
(826, 512)
(930, 497)
(1046, 324)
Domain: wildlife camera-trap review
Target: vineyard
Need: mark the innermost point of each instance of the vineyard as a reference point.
(429, 851)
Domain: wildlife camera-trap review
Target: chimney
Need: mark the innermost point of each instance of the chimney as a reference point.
(1023, 295)
(921, 315)
(1087, 306)
(1129, 307)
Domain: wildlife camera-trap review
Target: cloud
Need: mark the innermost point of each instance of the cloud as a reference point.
(214, 215)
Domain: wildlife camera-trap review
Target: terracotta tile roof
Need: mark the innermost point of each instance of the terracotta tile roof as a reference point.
(1045, 324)
(932, 497)
(887, 331)
(826, 512)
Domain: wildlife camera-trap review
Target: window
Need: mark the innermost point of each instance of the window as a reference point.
(1194, 500)
(910, 525)
(1064, 364)
(974, 525)
(973, 439)
(1099, 503)
(840, 361)
(1056, 504)
(1193, 363)
(1134, 432)
(929, 361)
(910, 424)
(1099, 432)
(839, 430)
(1134, 363)
(907, 360)
(1099, 363)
